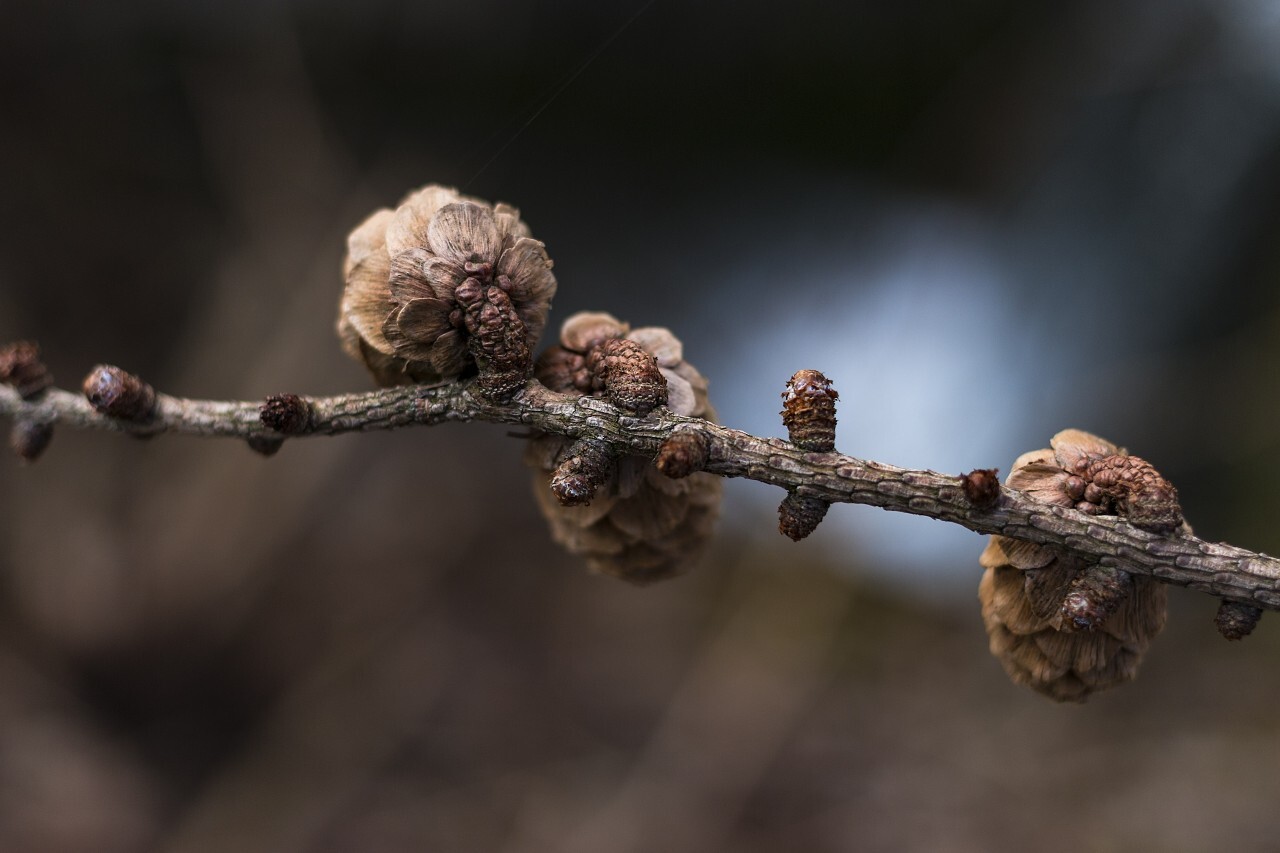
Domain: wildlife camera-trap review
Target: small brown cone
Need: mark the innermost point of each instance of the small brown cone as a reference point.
(424, 279)
(637, 523)
(809, 411)
(1063, 627)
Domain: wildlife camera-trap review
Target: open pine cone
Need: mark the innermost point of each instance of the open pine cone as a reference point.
(641, 525)
(1024, 586)
(400, 312)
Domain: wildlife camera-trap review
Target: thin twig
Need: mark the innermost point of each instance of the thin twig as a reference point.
(1217, 569)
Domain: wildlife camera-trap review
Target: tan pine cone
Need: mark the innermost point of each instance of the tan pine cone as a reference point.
(640, 525)
(1024, 586)
(401, 315)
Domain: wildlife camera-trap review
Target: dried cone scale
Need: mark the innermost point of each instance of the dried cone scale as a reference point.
(1025, 586)
(423, 280)
(639, 525)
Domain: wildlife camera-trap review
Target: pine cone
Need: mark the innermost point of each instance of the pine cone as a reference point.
(1092, 475)
(1034, 612)
(400, 312)
(640, 525)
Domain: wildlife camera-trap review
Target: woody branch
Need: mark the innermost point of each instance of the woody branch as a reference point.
(1217, 569)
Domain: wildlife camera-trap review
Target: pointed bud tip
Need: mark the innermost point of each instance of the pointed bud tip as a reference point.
(798, 516)
(286, 413)
(29, 438)
(981, 487)
(1236, 620)
(119, 394)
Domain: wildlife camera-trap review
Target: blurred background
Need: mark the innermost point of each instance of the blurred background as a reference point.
(985, 220)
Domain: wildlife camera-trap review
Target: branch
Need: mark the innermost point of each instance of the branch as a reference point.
(1217, 569)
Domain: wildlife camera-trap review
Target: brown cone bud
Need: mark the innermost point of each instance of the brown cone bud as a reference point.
(981, 487)
(1236, 620)
(683, 453)
(799, 516)
(28, 438)
(119, 394)
(20, 367)
(809, 411)
(1136, 489)
(1093, 596)
(584, 468)
(498, 341)
(286, 413)
(628, 375)
(266, 445)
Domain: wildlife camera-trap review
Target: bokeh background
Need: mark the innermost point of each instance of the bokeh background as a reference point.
(986, 220)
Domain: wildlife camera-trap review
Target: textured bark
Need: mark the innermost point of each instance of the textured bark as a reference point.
(1217, 569)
